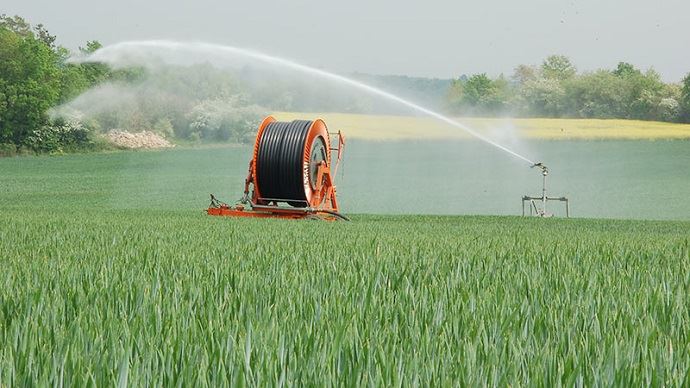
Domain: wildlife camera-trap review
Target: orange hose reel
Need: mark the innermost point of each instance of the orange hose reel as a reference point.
(290, 173)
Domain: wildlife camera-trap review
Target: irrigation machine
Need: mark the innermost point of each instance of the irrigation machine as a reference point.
(291, 174)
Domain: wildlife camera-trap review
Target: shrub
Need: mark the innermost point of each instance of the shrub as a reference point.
(224, 120)
(7, 149)
(164, 128)
(669, 109)
(59, 136)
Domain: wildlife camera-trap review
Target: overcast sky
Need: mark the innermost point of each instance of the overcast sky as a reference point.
(426, 38)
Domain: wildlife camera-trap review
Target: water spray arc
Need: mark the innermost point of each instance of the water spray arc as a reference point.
(124, 51)
(133, 51)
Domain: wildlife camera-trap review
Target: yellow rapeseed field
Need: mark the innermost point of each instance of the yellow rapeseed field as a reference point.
(383, 127)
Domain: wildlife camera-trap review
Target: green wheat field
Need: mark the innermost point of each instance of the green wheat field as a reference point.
(113, 275)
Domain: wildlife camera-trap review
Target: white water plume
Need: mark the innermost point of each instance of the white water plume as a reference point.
(152, 52)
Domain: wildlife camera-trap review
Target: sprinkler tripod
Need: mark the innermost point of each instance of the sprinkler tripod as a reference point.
(534, 208)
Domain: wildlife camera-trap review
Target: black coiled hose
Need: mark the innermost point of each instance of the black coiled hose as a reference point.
(279, 161)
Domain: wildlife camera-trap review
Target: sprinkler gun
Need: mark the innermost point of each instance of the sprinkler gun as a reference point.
(538, 204)
(544, 169)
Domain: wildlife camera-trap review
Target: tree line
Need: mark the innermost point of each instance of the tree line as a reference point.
(35, 76)
(556, 89)
(206, 103)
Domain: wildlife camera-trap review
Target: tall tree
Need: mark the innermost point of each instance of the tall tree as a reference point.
(558, 67)
(625, 69)
(94, 72)
(29, 79)
(543, 97)
(685, 99)
(524, 73)
(596, 95)
(35, 76)
(477, 89)
(479, 94)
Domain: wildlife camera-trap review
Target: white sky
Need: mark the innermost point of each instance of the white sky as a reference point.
(442, 38)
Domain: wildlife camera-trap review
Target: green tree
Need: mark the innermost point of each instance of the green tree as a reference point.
(76, 78)
(684, 103)
(642, 93)
(17, 25)
(596, 95)
(625, 69)
(543, 97)
(29, 78)
(94, 72)
(524, 74)
(558, 67)
(35, 76)
(479, 94)
(477, 89)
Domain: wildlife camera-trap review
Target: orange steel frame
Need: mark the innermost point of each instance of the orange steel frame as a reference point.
(322, 203)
